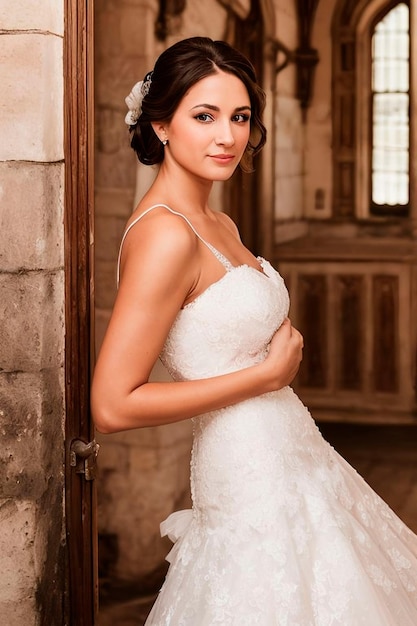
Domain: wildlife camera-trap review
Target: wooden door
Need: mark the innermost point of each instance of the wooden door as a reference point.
(79, 184)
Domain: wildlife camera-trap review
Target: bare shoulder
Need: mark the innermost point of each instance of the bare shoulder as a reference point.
(227, 221)
(159, 233)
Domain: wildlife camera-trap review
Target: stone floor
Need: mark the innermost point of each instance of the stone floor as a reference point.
(386, 456)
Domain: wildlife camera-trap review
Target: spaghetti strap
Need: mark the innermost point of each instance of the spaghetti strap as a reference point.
(223, 260)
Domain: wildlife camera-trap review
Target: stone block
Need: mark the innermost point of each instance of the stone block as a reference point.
(289, 163)
(175, 434)
(43, 15)
(318, 171)
(31, 96)
(17, 563)
(116, 168)
(143, 437)
(20, 413)
(209, 17)
(108, 235)
(112, 135)
(286, 82)
(31, 215)
(115, 78)
(106, 34)
(174, 455)
(32, 328)
(31, 415)
(105, 284)
(114, 202)
(289, 195)
(289, 125)
(287, 24)
(131, 44)
(139, 504)
(143, 460)
(113, 457)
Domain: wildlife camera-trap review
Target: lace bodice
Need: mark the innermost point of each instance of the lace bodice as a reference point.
(229, 326)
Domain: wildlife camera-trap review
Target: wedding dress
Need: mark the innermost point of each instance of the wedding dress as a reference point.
(283, 531)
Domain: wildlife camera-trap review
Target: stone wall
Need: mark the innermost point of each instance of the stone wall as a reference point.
(318, 160)
(31, 313)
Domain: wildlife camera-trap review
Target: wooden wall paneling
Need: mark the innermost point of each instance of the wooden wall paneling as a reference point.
(350, 331)
(312, 316)
(360, 338)
(368, 342)
(331, 335)
(407, 344)
(385, 333)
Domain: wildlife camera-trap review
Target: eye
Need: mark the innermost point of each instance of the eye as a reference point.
(204, 117)
(241, 118)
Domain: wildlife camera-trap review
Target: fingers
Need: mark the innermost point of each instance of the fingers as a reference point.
(294, 332)
(299, 336)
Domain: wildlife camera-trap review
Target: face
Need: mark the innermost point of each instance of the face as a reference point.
(210, 129)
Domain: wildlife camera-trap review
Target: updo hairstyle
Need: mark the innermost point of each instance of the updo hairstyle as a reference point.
(176, 70)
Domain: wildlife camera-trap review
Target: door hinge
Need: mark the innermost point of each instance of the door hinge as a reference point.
(83, 456)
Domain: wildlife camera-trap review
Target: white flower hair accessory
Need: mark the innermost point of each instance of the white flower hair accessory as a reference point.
(134, 99)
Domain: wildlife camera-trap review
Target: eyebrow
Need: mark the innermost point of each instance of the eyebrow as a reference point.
(212, 107)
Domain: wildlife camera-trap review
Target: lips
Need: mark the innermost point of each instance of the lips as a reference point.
(222, 158)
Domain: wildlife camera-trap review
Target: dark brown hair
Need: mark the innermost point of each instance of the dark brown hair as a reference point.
(179, 68)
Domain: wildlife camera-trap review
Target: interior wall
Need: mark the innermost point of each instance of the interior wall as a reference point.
(318, 132)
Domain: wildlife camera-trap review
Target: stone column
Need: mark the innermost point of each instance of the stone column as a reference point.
(31, 313)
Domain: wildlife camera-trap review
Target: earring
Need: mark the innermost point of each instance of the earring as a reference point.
(165, 142)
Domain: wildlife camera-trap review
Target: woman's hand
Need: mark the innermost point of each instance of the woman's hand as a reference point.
(285, 355)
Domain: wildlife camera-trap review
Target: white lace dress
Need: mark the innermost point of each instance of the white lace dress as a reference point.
(283, 531)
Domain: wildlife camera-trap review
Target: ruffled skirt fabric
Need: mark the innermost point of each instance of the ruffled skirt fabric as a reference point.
(310, 545)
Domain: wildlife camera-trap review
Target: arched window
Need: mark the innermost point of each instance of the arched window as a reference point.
(371, 109)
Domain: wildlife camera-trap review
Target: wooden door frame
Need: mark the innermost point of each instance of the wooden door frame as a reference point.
(78, 227)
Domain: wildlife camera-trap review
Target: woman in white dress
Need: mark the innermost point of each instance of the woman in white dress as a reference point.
(282, 531)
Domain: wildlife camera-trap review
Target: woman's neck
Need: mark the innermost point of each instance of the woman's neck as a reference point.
(182, 191)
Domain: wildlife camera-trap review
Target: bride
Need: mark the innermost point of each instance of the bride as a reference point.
(282, 531)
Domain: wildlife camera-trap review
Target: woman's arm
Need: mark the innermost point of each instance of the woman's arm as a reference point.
(159, 272)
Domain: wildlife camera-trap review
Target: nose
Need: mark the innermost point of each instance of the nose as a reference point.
(224, 133)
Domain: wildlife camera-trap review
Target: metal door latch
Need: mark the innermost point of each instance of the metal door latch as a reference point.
(83, 457)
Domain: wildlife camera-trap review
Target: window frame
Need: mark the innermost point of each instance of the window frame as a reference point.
(364, 208)
(351, 19)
